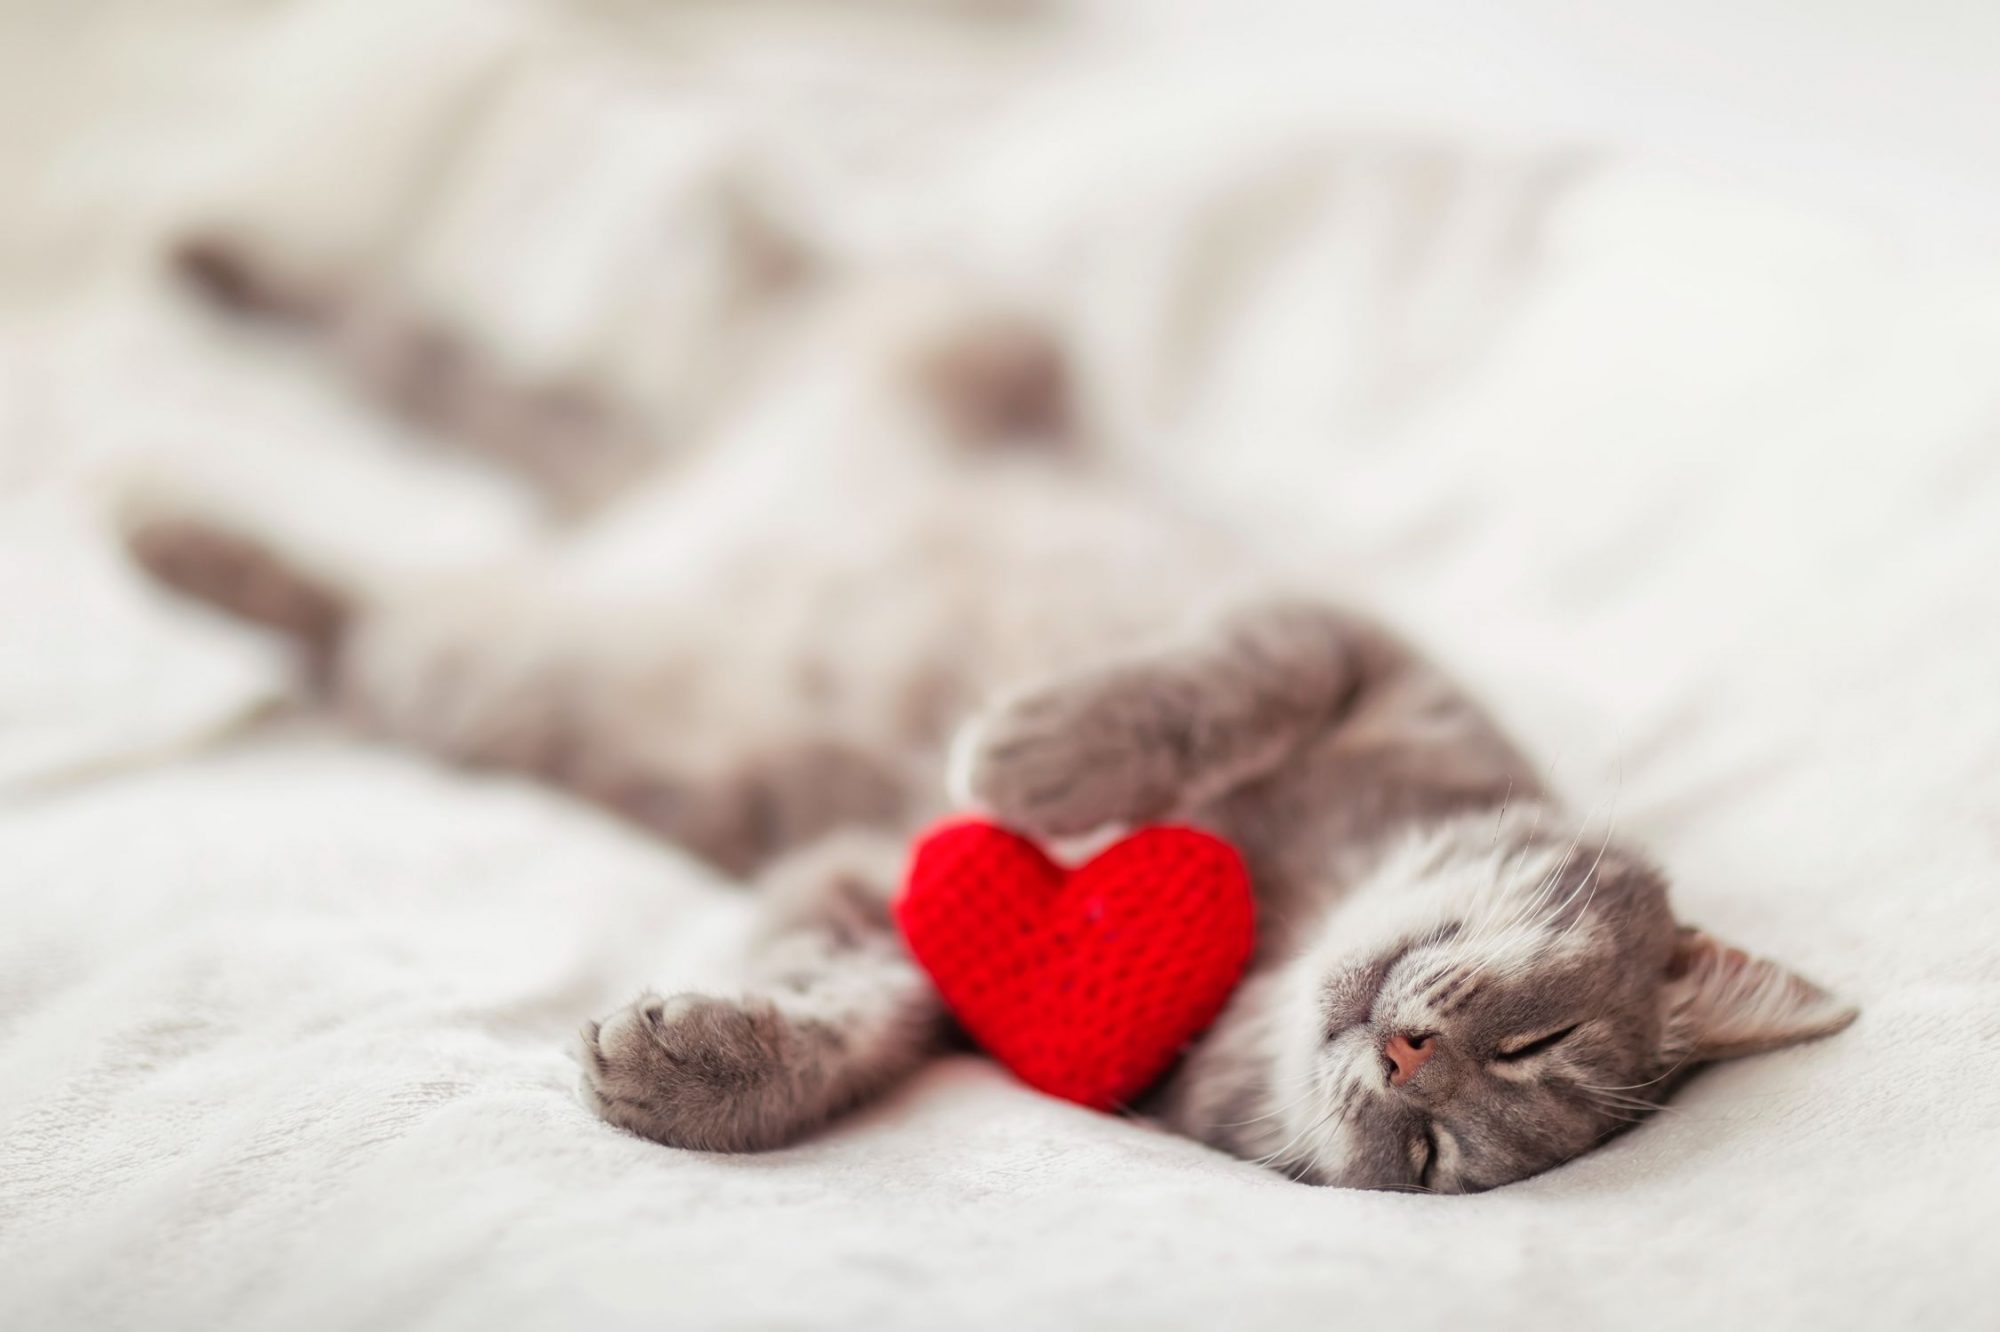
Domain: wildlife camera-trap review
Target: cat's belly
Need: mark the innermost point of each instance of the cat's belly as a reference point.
(893, 635)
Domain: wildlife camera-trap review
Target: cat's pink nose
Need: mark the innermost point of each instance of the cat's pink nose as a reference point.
(1407, 1054)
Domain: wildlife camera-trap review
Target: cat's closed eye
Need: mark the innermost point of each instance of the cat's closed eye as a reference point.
(1518, 1050)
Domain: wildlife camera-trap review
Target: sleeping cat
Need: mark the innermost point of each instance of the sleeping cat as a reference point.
(762, 649)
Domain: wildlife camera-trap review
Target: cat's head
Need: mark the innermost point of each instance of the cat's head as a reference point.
(1488, 1003)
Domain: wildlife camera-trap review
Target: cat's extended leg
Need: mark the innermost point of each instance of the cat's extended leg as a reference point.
(238, 574)
(489, 674)
(1143, 738)
(833, 1012)
(990, 376)
(575, 448)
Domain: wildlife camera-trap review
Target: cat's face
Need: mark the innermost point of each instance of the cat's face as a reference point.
(1488, 1004)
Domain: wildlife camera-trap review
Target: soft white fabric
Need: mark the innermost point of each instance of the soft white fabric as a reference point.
(1701, 489)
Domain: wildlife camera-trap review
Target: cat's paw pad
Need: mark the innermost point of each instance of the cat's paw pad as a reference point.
(691, 1071)
(1074, 757)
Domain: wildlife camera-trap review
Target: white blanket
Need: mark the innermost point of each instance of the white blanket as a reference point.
(1702, 490)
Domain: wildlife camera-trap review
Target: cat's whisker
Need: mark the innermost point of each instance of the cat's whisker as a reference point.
(1638, 1106)
(1268, 1114)
(1678, 1065)
(1501, 818)
(1270, 1158)
(1610, 824)
(1346, 1107)
(1589, 880)
(1497, 915)
(1311, 1123)
(1547, 889)
(1531, 907)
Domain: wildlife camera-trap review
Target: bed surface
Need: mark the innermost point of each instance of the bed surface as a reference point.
(1698, 483)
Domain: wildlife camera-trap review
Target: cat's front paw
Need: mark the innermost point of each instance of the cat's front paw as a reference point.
(694, 1071)
(1076, 756)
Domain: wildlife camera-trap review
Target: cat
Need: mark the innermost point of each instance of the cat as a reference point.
(766, 651)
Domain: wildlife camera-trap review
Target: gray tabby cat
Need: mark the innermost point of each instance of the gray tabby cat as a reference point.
(762, 651)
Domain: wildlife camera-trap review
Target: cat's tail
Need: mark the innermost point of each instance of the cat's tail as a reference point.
(210, 561)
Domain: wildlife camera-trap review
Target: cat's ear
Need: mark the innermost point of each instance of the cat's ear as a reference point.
(1720, 1002)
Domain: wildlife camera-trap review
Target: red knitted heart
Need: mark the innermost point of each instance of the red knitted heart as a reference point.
(1086, 982)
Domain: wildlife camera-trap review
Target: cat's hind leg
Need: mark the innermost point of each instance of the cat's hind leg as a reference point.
(833, 1012)
(238, 574)
(576, 449)
(490, 672)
